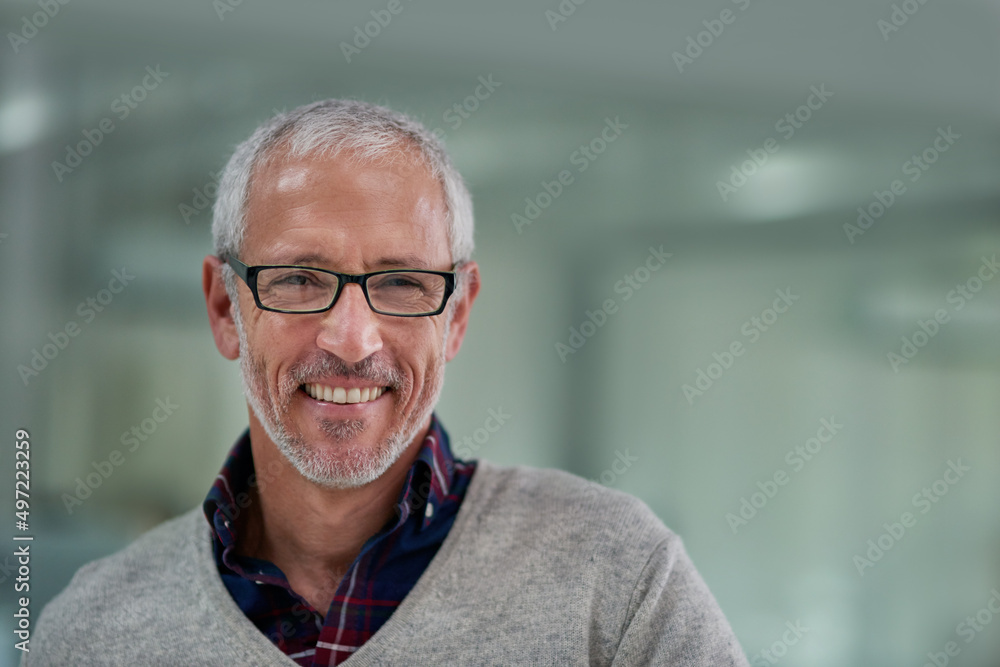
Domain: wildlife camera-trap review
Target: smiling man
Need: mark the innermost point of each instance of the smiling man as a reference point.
(341, 529)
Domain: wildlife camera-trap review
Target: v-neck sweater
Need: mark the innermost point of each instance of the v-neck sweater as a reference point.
(541, 567)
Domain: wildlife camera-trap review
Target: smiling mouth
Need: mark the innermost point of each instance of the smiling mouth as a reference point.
(328, 394)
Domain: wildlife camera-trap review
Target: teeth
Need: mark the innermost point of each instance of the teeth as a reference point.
(341, 395)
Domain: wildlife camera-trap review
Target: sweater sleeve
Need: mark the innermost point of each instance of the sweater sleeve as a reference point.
(673, 619)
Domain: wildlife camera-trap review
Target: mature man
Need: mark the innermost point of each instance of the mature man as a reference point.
(341, 529)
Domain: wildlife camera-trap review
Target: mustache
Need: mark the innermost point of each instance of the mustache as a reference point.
(374, 368)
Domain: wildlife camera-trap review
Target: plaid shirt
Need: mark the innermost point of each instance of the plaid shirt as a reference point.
(384, 572)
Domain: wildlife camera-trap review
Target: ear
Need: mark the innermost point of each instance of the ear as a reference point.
(463, 307)
(220, 308)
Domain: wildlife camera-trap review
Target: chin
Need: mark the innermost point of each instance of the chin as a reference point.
(344, 461)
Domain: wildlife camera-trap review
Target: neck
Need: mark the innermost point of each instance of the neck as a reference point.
(311, 532)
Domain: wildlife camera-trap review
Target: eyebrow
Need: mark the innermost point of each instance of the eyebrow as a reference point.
(407, 261)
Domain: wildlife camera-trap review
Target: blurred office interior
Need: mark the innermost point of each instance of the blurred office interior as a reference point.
(796, 376)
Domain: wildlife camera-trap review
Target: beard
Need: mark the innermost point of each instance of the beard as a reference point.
(348, 464)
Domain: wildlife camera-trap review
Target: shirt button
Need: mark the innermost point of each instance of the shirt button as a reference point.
(429, 512)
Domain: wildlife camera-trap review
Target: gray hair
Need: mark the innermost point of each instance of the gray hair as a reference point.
(371, 133)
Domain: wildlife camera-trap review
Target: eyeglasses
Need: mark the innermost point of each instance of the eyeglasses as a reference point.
(303, 289)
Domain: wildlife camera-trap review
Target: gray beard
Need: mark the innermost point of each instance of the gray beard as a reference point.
(349, 466)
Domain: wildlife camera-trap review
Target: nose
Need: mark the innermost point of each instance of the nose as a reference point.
(350, 329)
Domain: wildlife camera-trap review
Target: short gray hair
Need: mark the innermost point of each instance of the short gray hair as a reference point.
(330, 127)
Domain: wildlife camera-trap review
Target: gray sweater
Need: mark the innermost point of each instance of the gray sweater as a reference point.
(540, 568)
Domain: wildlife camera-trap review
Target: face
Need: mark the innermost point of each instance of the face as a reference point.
(299, 369)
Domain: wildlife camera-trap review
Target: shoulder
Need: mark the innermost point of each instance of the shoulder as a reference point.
(116, 596)
(580, 545)
(563, 495)
(564, 509)
(157, 551)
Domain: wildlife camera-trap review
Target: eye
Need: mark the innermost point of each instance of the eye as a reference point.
(292, 279)
(400, 280)
(296, 279)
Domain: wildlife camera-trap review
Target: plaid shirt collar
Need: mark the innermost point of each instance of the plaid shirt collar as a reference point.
(427, 486)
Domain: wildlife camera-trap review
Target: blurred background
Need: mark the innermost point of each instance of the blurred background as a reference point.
(817, 356)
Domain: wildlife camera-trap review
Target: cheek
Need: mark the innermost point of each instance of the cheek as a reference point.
(419, 354)
(269, 354)
(280, 339)
(434, 358)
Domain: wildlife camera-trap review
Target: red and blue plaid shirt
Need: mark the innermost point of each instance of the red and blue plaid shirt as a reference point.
(384, 572)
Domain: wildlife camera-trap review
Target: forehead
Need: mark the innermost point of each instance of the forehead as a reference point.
(345, 209)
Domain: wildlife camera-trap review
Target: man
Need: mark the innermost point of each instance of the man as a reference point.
(341, 529)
